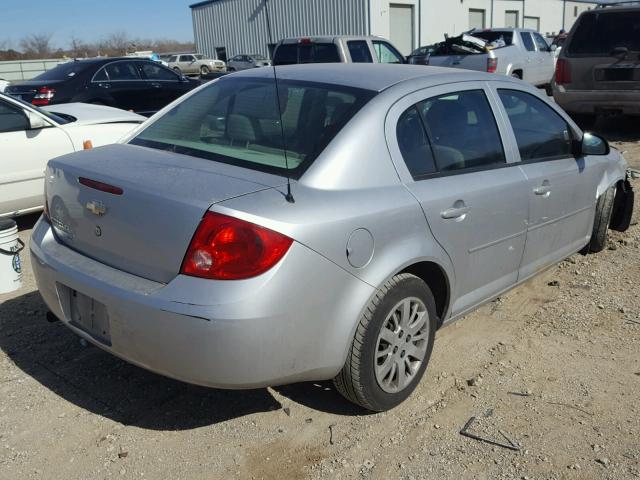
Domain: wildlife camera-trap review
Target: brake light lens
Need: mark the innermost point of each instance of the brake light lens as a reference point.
(43, 97)
(227, 248)
(563, 72)
(492, 65)
(103, 187)
(305, 41)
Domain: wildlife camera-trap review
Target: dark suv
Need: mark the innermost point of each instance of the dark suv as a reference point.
(136, 84)
(598, 69)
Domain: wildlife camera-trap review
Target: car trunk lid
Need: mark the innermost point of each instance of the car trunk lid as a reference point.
(138, 208)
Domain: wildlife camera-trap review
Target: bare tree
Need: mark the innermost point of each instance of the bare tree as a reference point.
(37, 45)
(117, 43)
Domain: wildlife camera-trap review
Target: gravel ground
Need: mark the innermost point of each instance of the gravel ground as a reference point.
(552, 367)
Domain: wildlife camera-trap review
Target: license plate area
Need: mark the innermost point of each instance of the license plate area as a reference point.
(86, 313)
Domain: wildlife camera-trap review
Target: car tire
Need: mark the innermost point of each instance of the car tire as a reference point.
(375, 345)
(604, 211)
(204, 70)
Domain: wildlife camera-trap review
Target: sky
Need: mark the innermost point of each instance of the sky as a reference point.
(90, 20)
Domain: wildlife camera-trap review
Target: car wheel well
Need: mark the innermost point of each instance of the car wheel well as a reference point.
(517, 73)
(432, 274)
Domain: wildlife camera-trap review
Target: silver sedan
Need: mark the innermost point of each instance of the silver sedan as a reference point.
(249, 236)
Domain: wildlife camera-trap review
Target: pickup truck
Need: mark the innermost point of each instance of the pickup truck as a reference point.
(516, 52)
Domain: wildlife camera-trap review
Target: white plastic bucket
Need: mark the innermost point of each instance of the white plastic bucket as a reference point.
(10, 264)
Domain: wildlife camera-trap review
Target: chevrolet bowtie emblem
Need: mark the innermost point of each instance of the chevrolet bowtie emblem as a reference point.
(97, 208)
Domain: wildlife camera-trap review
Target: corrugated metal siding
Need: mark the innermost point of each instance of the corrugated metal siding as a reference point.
(240, 25)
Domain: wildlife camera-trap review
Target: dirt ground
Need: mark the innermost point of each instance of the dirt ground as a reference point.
(554, 365)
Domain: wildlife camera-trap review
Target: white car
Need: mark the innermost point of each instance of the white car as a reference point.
(31, 136)
(3, 84)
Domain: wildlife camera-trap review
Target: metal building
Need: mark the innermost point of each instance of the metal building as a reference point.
(230, 27)
(224, 28)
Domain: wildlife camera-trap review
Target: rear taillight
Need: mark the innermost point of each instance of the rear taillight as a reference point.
(563, 72)
(43, 97)
(227, 248)
(492, 65)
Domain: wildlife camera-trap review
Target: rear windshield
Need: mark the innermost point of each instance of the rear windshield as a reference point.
(293, 53)
(499, 39)
(63, 71)
(236, 121)
(598, 33)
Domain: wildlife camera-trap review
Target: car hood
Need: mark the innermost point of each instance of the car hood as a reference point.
(87, 114)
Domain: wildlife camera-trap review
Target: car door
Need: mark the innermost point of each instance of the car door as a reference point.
(25, 152)
(561, 188)
(121, 82)
(187, 64)
(531, 73)
(448, 147)
(163, 85)
(544, 59)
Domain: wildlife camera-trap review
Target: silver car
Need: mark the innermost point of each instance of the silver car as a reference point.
(243, 62)
(416, 195)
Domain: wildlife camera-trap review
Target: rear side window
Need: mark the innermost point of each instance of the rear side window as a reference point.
(540, 132)
(461, 133)
(236, 121)
(527, 41)
(359, 51)
(599, 32)
(293, 53)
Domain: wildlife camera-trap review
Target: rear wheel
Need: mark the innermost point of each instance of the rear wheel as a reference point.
(604, 210)
(392, 345)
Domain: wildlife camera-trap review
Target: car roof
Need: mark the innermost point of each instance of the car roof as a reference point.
(369, 76)
(330, 38)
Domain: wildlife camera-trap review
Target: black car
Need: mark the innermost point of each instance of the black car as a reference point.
(136, 84)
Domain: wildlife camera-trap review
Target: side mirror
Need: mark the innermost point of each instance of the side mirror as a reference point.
(36, 122)
(594, 145)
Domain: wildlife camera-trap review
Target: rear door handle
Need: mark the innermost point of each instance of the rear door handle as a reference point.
(156, 85)
(455, 212)
(544, 189)
(104, 85)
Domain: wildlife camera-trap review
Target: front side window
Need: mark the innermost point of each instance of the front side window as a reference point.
(359, 51)
(542, 44)
(386, 53)
(540, 132)
(236, 121)
(156, 72)
(120, 71)
(527, 41)
(12, 119)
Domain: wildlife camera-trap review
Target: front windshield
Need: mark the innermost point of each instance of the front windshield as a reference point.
(52, 116)
(236, 121)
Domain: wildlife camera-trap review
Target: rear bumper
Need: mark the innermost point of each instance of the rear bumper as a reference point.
(294, 323)
(595, 101)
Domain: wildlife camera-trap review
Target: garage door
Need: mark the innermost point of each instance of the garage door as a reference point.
(401, 27)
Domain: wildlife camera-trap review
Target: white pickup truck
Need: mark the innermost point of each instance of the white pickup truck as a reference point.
(517, 52)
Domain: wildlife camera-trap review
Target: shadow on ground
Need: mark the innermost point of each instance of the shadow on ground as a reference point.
(105, 385)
